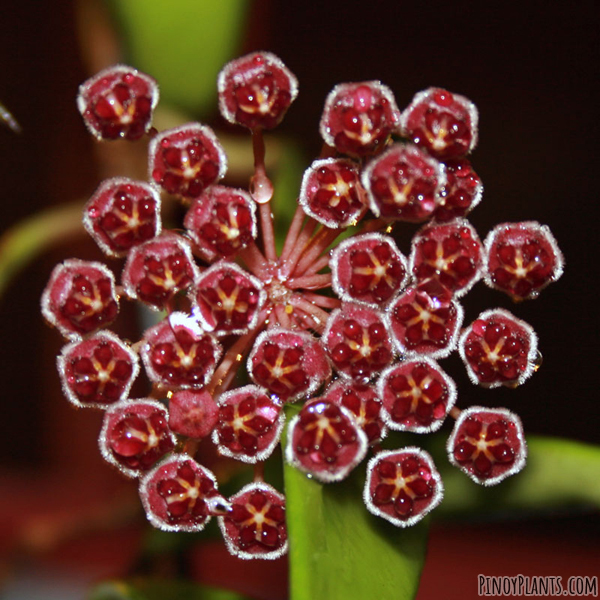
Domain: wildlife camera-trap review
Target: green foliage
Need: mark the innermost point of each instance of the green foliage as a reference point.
(559, 473)
(339, 551)
(183, 44)
(31, 237)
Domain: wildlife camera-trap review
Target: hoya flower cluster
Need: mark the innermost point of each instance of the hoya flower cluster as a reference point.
(351, 335)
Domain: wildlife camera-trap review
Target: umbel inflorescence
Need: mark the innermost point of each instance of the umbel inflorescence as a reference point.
(352, 334)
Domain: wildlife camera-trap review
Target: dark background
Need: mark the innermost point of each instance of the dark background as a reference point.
(531, 71)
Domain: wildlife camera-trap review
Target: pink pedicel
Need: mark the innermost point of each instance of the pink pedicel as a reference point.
(461, 193)
(450, 253)
(256, 90)
(221, 222)
(255, 526)
(357, 341)
(228, 299)
(498, 349)
(402, 486)
(522, 259)
(80, 298)
(404, 184)
(325, 441)
(121, 214)
(359, 118)
(364, 404)
(331, 193)
(193, 413)
(186, 160)
(487, 444)
(178, 353)
(98, 371)
(416, 395)
(249, 424)
(289, 364)
(368, 269)
(444, 124)
(181, 495)
(425, 321)
(117, 103)
(159, 269)
(135, 435)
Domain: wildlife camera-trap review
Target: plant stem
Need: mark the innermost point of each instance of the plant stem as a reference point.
(191, 446)
(293, 232)
(282, 316)
(232, 357)
(318, 244)
(261, 190)
(376, 225)
(455, 412)
(268, 232)
(311, 282)
(259, 472)
(327, 151)
(302, 242)
(324, 301)
(319, 315)
(254, 259)
(319, 264)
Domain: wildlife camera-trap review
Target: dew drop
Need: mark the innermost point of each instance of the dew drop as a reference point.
(261, 189)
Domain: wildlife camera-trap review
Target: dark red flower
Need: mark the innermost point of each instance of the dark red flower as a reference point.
(181, 495)
(256, 90)
(402, 486)
(118, 103)
(255, 526)
(487, 444)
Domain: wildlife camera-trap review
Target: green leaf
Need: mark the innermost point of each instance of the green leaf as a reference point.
(339, 551)
(559, 474)
(29, 238)
(183, 44)
(152, 589)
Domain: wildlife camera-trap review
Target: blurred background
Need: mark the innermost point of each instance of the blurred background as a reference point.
(66, 518)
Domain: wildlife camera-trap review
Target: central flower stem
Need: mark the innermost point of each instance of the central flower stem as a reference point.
(261, 189)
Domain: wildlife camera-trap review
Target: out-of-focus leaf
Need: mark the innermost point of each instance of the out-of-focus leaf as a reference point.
(31, 237)
(115, 590)
(151, 589)
(183, 44)
(339, 551)
(559, 474)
